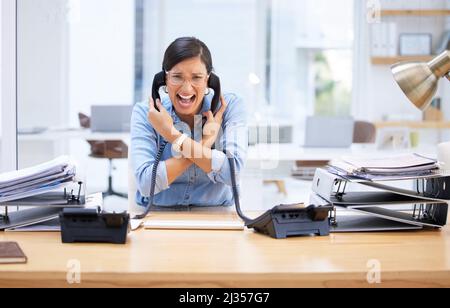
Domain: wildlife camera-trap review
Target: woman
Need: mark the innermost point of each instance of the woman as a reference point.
(193, 169)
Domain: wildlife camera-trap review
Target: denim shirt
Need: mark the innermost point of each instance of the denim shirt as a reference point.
(194, 186)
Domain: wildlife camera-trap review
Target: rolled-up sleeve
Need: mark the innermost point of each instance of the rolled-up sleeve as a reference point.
(233, 141)
(144, 149)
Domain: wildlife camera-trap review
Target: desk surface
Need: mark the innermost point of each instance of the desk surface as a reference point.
(154, 258)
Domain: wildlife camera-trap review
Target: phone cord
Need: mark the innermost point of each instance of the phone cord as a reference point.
(153, 182)
(237, 203)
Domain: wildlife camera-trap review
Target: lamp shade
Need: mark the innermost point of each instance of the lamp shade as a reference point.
(419, 80)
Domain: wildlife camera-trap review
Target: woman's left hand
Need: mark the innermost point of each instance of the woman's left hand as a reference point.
(213, 124)
(162, 122)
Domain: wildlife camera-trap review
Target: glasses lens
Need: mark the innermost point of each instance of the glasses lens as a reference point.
(198, 81)
(178, 80)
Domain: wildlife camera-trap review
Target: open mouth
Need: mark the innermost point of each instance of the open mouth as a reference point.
(186, 101)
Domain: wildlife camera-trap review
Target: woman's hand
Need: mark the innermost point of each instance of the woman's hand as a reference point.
(213, 125)
(162, 122)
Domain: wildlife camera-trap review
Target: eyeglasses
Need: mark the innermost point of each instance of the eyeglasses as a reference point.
(177, 79)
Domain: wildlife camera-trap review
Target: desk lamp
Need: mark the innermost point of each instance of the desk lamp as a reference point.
(419, 80)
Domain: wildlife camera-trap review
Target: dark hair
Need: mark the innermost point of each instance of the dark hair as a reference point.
(185, 48)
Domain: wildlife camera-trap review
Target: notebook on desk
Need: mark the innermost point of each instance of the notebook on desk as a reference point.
(11, 253)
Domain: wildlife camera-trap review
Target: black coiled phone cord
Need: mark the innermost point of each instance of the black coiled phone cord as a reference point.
(153, 182)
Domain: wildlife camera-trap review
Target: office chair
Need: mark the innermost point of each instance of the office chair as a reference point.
(364, 132)
(106, 149)
(109, 149)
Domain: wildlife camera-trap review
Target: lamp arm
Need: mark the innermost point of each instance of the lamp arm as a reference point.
(440, 65)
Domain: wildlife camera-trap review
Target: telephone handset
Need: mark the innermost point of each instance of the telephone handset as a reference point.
(213, 83)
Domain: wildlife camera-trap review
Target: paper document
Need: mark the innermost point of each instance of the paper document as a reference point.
(388, 168)
(37, 180)
(52, 167)
(136, 224)
(70, 170)
(396, 163)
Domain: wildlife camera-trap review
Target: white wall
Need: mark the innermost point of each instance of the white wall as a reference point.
(101, 55)
(42, 63)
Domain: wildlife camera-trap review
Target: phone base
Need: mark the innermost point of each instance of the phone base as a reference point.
(293, 220)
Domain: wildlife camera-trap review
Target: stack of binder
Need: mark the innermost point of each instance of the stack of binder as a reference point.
(405, 166)
(368, 194)
(36, 180)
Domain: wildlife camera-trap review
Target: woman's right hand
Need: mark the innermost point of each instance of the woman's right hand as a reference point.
(161, 121)
(213, 125)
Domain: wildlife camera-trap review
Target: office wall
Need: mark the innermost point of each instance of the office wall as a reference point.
(42, 62)
(101, 55)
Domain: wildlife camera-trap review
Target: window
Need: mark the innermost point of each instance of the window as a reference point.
(333, 82)
(311, 62)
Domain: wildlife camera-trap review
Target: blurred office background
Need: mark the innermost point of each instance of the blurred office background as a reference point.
(288, 59)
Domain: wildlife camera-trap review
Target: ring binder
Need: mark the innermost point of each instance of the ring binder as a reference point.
(52, 201)
(429, 202)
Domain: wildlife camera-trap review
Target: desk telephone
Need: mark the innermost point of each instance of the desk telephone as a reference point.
(279, 222)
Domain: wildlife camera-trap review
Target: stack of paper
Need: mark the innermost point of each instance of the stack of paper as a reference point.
(393, 167)
(37, 180)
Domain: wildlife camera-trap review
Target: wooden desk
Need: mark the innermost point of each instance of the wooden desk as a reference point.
(234, 259)
(414, 124)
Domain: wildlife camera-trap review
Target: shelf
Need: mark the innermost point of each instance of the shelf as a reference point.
(415, 13)
(415, 125)
(393, 60)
